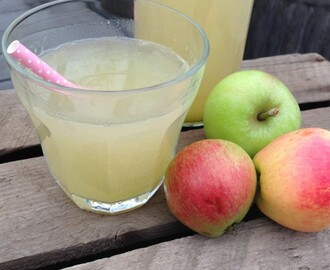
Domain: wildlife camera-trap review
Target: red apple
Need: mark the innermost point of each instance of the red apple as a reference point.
(210, 185)
(295, 180)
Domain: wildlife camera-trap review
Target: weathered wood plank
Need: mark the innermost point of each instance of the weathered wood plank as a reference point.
(288, 26)
(258, 244)
(6, 84)
(40, 225)
(306, 75)
(316, 118)
(310, 118)
(16, 129)
(4, 74)
(277, 27)
(9, 11)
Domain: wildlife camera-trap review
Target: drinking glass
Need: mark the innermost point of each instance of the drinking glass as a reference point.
(108, 142)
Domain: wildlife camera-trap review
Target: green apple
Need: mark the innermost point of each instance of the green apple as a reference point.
(250, 108)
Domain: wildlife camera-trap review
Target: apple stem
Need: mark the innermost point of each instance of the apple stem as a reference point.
(271, 113)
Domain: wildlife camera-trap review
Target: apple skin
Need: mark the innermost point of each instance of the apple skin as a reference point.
(294, 180)
(209, 185)
(233, 107)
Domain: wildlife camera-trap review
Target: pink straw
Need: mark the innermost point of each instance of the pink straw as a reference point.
(36, 65)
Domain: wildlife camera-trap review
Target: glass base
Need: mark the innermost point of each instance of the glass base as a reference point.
(115, 207)
(193, 124)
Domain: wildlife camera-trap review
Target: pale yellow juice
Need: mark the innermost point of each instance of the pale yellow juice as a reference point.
(111, 149)
(226, 24)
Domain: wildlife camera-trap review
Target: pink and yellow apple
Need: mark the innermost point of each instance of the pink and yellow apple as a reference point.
(295, 180)
(210, 185)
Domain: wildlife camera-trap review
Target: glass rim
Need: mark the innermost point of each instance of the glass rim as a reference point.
(52, 86)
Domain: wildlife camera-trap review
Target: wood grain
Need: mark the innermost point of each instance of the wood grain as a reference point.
(258, 244)
(9, 11)
(310, 118)
(41, 226)
(16, 129)
(277, 27)
(307, 76)
(288, 26)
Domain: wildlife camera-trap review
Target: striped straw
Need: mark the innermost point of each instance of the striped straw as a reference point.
(36, 65)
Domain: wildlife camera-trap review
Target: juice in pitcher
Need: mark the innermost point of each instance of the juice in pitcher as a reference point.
(226, 24)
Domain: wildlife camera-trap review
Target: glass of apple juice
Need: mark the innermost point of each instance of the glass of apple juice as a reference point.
(108, 142)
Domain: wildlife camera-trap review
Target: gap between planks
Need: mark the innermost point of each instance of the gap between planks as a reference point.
(47, 228)
(40, 225)
(257, 244)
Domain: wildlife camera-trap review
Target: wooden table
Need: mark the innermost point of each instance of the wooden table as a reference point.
(42, 229)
